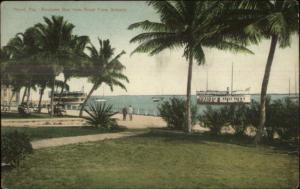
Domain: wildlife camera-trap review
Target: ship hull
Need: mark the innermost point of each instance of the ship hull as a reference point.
(223, 99)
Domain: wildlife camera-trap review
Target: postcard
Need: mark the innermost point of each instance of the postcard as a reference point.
(149, 94)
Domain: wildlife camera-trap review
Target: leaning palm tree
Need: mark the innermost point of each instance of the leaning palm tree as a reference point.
(278, 21)
(104, 68)
(192, 25)
(74, 67)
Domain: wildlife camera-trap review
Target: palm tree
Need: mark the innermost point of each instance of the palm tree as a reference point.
(55, 39)
(104, 68)
(7, 78)
(42, 84)
(278, 20)
(20, 66)
(192, 25)
(5, 56)
(74, 68)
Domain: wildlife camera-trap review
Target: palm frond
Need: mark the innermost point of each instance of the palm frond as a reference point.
(150, 35)
(149, 26)
(168, 12)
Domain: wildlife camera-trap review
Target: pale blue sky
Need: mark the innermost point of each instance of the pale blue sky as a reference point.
(162, 74)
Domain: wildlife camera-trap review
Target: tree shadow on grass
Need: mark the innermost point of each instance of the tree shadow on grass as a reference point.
(178, 136)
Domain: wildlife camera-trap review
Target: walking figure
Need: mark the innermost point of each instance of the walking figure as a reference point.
(124, 111)
(130, 111)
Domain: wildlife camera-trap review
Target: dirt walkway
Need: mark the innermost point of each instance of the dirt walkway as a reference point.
(138, 122)
(86, 138)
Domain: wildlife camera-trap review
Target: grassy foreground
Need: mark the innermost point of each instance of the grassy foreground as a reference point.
(156, 161)
(36, 133)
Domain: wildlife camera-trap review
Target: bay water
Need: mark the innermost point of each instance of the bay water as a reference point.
(145, 105)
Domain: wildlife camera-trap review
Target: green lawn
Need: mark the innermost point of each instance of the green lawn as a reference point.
(14, 115)
(36, 133)
(156, 161)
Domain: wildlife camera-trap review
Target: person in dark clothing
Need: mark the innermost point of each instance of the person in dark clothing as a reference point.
(124, 110)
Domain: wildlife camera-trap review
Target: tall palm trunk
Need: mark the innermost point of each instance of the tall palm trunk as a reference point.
(86, 99)
(62, 89)
(52, 95)
(188, 92)
(28, 92)
(264, 87)
(24, 94)
(40, 100)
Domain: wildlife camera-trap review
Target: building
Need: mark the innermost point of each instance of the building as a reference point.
(7, 96)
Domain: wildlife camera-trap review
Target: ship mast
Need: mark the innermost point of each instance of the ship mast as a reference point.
(231, 77)
(206, 79)
(289, 86)
(296, 79)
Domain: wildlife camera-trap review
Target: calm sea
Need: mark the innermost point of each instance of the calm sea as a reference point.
(144, 104)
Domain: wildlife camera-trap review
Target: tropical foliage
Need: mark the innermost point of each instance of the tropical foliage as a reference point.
(100, 116)
(173, 113)
(193, 26)
(104, 68)
(282, 118)
(39, 54)
(214, 119)
(14, 147)
(277, 20)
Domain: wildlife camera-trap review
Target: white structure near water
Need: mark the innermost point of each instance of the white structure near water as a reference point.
(221, 97)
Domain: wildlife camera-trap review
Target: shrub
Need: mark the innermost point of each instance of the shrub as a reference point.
(237, 117)
(174, 113)
(283, 118)
(100, 115)
(14, 146)
(214, 119)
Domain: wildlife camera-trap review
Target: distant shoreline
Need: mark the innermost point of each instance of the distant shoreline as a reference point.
(291, 94)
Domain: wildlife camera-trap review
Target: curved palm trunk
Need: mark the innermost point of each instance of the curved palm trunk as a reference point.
(40, 100)
(24, 94)
(52, 95)
(264, 87)
(86, 99)
(188, 93)
(12, 96)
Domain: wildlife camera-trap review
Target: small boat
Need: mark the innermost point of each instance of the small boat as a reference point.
(157, 99)
(101, 100)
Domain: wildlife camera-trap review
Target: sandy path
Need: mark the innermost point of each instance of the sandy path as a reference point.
(138, 122)
(79, 139)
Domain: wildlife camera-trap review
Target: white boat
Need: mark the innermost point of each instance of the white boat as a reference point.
(223, 97)
(101, 100)
(157, 99)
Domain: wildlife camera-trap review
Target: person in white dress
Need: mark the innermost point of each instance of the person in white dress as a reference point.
(130, 112)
